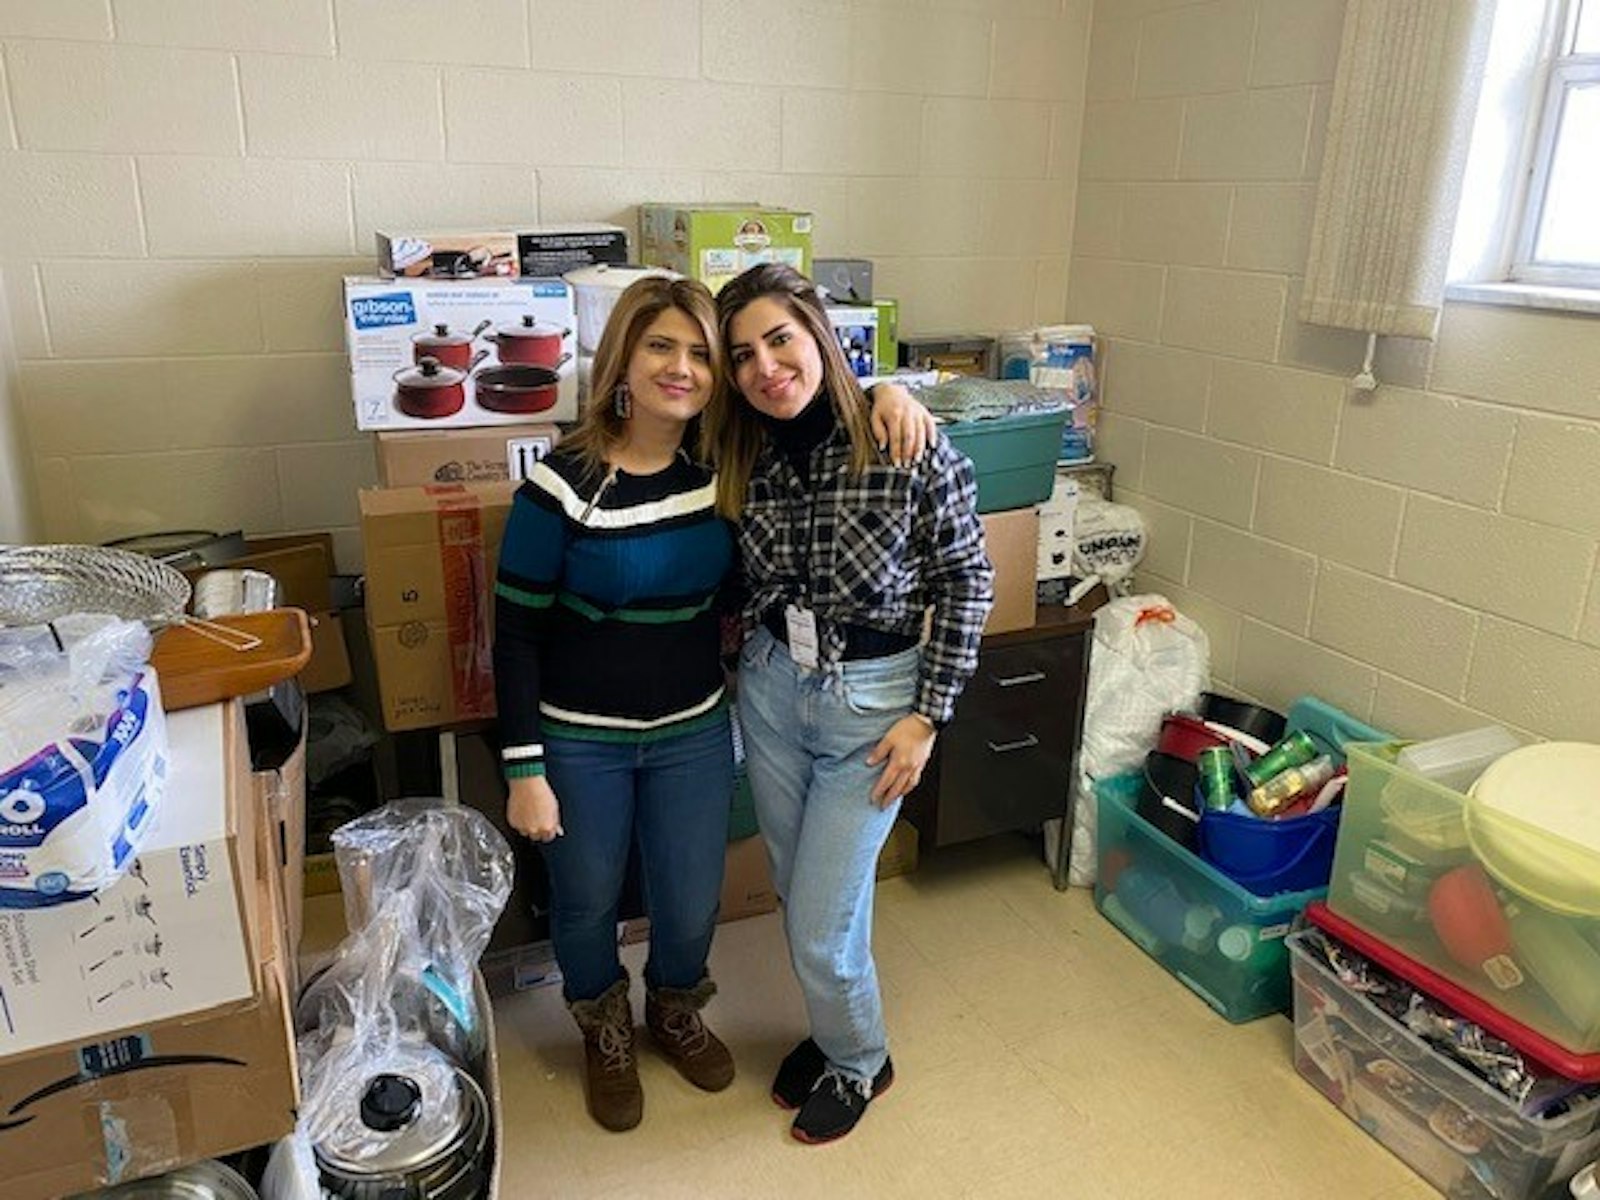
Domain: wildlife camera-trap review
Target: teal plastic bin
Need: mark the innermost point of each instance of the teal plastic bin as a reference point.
(1223, 942)
(1014, 456)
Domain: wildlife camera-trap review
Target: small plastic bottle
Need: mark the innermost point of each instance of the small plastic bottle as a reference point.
(1273, 796)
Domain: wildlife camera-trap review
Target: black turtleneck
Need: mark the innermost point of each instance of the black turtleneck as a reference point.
(798, 436)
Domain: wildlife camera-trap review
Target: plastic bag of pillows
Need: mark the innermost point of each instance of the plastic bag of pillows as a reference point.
(83, 757)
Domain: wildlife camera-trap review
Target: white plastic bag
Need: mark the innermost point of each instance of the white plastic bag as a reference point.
(291, 1172)
(1147, 660)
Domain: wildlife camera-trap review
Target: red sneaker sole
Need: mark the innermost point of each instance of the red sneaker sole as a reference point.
(807, 1139)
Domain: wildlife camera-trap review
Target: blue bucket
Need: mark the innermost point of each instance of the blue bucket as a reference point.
(1267, 857)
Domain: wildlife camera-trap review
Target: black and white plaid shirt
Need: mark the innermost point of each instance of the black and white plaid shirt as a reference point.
(876, 550)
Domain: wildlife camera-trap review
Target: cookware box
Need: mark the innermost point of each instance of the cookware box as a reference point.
(541, 252)
(384, 316)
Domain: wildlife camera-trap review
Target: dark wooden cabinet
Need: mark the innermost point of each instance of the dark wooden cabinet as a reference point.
(1006, 761)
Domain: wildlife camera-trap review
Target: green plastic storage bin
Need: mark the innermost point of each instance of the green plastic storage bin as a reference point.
(1403, 835)
(1014, 456)
(1223, 943)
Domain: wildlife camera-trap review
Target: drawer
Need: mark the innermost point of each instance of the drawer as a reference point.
(1032, 677)
(1000, 771)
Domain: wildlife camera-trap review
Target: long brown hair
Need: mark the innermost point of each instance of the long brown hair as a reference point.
(733, 427)
(600, 429)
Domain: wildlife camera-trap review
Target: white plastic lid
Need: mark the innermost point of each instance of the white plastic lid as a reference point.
(613, 275)
(1456, 761)
(1533, 819)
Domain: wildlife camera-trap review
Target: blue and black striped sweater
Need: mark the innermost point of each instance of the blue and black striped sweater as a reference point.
(606, 624)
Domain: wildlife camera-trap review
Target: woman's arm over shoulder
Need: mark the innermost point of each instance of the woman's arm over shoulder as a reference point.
(956, 573)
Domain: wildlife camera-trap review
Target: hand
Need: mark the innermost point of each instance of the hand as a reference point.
(901, 426)
(906, 748)
(533, 810)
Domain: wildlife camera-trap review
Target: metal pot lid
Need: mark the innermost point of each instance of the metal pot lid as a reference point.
(204, 1180)
(530, 327)
(429, 373)
(614, 275)
(396, 1120)
(440, 335)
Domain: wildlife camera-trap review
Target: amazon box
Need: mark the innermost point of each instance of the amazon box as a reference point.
(145, 1098)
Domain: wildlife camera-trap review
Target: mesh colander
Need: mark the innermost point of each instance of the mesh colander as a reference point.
(40, 584)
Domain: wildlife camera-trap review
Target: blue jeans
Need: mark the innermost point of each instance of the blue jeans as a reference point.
(672, 797)
(807, 736)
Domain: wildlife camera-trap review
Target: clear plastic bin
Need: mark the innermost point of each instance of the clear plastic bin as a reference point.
(1222, 942)
(1457, 1132)
(1406, 871)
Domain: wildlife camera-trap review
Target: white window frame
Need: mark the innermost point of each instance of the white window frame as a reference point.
(1563, 72)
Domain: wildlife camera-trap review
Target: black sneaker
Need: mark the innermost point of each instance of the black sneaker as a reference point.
(798, 1074)
(802, 1067)
(836, 1104)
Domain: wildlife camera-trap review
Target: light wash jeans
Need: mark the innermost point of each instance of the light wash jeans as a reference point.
(807, 736)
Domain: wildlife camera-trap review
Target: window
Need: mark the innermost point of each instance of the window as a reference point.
(1557, 235)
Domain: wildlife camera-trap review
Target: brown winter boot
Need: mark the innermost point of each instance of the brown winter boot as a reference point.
(611, 1074)
(673, 1017)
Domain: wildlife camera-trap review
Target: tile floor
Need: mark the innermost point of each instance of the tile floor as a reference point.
(1038, 1054)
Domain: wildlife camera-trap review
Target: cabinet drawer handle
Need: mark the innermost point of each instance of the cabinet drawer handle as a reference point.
(1027, 743)
(1014, 680)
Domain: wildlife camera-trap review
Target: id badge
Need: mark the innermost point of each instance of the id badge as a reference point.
(801, 625)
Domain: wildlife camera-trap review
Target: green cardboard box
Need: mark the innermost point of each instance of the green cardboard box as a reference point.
(715, 242)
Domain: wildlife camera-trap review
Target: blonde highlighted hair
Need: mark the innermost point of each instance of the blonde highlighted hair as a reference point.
(600, 429)
(732, 427)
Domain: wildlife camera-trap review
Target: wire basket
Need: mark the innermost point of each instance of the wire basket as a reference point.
(40, 584)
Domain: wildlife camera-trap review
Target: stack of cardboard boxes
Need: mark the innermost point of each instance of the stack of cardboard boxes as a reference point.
(150, 1026)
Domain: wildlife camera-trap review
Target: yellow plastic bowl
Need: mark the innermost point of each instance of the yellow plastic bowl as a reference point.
(1533, 820)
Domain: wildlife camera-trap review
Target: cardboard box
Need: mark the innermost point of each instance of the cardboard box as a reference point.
(382, 316)
(536, 252)
(962, 354)
(463, 254)
(303, 566)
(552, 251)
(431, 556)
(856, 328)
(899, 853)
(888, 332)
(715, 242)
(181, 933)
(150, 1098)
(747, 889)
(1057, 530)
(1012, 538)
(462, 455)
(280, 797)
(844, 280)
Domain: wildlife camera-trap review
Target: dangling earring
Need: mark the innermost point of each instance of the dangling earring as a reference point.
(622, 401)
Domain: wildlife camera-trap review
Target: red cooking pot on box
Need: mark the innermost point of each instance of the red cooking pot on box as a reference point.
(451, 348)
(520, 388)
(430, 390)
(533, 342)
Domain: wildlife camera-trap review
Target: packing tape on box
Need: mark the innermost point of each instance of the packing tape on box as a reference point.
(468, 583)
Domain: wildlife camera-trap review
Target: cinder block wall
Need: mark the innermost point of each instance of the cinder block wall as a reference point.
(1425, 556)
(183, 182)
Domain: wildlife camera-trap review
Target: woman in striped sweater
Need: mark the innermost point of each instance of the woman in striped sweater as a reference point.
(610, 685)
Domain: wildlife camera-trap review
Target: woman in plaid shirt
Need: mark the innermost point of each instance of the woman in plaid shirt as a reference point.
(844, 555)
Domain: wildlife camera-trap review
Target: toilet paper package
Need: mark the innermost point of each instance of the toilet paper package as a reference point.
(83, 761)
